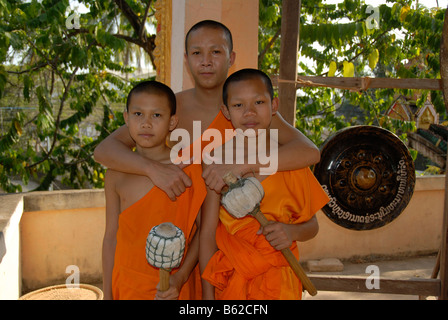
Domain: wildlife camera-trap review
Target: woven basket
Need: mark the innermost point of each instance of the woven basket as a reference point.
(65, 292)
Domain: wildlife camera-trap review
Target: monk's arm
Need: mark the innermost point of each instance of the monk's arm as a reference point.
(304, 231)
(295, 151)
(207, 246)
(110, 234)
(192, 256)
(115, 152)
(281, 235)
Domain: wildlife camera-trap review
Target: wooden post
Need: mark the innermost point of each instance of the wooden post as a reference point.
(288, 58)
(444, 246)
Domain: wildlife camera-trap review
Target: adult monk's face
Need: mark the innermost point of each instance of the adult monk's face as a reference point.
(208, 57)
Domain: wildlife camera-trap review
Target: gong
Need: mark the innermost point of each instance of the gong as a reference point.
(368, 174)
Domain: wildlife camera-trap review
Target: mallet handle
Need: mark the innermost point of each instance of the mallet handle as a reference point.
(164, 278)
(289, 256)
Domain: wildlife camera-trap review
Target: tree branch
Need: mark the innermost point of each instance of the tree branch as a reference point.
(138, 42)
(58, 120)
(129, 14)
(37, 67)
(145, 16)
(269, 45)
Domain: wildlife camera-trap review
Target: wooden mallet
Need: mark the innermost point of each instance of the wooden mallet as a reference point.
(243, 198)
(165, 246)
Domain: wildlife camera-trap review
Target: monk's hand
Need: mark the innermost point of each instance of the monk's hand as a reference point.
(277, 234)
(170, 178)
(213, 174)
(173, 291)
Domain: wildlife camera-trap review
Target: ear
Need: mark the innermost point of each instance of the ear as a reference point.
(125, 116)
(225, 111)
(173, 122)
(275, 105)
(232, 58)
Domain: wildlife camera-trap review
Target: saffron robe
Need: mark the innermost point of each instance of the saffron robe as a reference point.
(246, 266)
(220, 127)
(133, 278)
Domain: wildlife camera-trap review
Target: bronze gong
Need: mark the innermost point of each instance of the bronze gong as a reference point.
(369, 175)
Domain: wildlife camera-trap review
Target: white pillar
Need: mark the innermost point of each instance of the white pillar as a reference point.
(177, 45)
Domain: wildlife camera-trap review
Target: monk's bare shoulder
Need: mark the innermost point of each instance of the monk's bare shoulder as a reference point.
(185, 99)
(112, 176)
(185, 108)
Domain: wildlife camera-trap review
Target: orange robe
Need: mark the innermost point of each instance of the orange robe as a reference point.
(220, 125)
(246, 266)
(133, 277)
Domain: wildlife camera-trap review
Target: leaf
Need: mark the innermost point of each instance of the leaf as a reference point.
(373, 59)
(404, 12)
(27, 84)
(348, 70)
(18, 127)
(3, 80)
(78, 57)
(333, 69)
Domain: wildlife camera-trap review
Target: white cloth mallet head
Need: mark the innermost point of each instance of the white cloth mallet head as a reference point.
(165, 246)
(243, 197)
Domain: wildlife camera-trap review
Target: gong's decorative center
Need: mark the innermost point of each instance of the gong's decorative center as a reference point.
(364, 178)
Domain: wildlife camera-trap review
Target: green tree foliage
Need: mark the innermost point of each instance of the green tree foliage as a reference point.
(57, 70)
(404, 43)
(57, 73)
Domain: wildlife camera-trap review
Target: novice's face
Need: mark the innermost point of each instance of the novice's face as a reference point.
(149, 120)
(250, 105)
(208, 57)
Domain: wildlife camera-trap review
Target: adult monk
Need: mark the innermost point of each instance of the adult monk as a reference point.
(209, 55)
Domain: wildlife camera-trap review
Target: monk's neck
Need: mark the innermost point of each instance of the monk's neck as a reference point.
(159, 153)
(209, 99)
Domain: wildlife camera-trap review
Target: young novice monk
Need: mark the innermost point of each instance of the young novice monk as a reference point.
(134, 205)
(245, 262)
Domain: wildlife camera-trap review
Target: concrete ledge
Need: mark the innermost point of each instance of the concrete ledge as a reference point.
(429, 183)
(51, 230)
(64, 200)
(9, 203)
(11, 210)
(61, 229)
(8, 208)
(325, 265)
